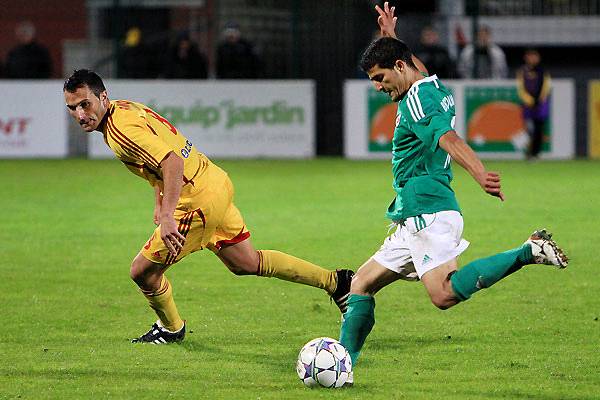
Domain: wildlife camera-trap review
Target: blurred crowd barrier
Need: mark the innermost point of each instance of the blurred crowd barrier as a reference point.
(276, 119)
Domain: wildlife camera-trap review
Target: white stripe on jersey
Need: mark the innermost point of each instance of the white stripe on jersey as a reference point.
(448, 158)
(416, 95)
(414, 104)
(410, 107)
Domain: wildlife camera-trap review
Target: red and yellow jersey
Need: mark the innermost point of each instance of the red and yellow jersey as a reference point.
(141, 139)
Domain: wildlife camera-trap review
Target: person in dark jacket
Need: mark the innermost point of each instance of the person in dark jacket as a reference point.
(236, 57)
(29, 59)
(433, 55)
(185, 60)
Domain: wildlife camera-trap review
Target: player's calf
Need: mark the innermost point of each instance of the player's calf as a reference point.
(240, 258)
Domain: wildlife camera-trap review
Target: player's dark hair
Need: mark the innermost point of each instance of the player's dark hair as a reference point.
(384, 52)
(84, 77)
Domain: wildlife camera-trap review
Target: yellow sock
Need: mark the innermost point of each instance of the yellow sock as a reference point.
(161, 301)
(293, 269)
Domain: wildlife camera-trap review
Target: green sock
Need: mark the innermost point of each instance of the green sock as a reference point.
(358, 322)
(484, 272)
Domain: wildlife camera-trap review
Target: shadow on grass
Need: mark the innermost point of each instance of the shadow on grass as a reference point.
(234, 354)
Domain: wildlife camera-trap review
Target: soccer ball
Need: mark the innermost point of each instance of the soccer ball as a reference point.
(323, 361)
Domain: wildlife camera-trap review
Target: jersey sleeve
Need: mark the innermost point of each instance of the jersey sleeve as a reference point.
(136, 140)
(427, 118)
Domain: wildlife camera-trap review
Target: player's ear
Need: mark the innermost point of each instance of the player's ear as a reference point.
(399, 66)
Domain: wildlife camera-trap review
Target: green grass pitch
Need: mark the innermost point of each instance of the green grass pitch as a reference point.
(70, 229)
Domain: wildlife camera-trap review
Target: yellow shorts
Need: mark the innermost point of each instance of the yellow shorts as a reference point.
(207, 218)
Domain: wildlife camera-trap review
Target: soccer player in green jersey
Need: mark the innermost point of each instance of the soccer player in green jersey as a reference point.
(428, 237)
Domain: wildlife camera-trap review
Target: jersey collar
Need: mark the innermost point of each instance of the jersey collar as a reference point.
(433, 78)
(102, 124)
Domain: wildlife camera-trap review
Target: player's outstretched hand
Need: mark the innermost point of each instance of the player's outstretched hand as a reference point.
(171, 236)
(491, 185)
(386, 20)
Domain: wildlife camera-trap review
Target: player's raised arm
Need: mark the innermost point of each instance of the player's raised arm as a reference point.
(387, 26)
(386, 20)
(466, 158)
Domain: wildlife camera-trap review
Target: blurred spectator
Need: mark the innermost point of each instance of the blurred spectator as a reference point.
(236, 57)
(533, 84)
(136, 62)
(459, 37)
(491, 61)
(29, 59)
(435, 57)
(185, 60)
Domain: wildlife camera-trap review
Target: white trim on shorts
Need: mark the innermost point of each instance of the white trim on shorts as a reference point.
(422, 243)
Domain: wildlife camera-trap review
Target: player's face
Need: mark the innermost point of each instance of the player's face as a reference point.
(86, 108)
(393, 81)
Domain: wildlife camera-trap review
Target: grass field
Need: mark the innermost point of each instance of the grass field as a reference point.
(70, 229)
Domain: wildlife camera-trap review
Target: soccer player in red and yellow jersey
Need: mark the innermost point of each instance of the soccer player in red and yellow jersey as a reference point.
(194, 204)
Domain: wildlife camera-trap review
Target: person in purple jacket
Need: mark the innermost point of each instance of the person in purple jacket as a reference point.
(533, 84)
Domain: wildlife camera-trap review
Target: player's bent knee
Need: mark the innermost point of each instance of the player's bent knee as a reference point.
(143, 272)
(136, 272)
(247, 265)
(443, 302)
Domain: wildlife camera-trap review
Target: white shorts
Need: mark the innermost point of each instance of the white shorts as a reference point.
(422, 243)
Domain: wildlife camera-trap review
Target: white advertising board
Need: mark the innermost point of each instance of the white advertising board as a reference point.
(228, 119)
(32, 119)
(488, 116)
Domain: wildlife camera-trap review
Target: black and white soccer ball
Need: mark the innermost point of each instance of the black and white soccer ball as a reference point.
(324, 361)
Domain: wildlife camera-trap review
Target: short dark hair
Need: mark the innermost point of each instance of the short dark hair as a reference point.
(384, 52)
(531, 50)
(84, 77)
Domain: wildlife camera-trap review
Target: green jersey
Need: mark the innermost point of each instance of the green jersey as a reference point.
(420, 166)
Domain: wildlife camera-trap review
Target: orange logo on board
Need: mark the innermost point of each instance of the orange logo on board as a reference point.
(382, 123)
(498, 121)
